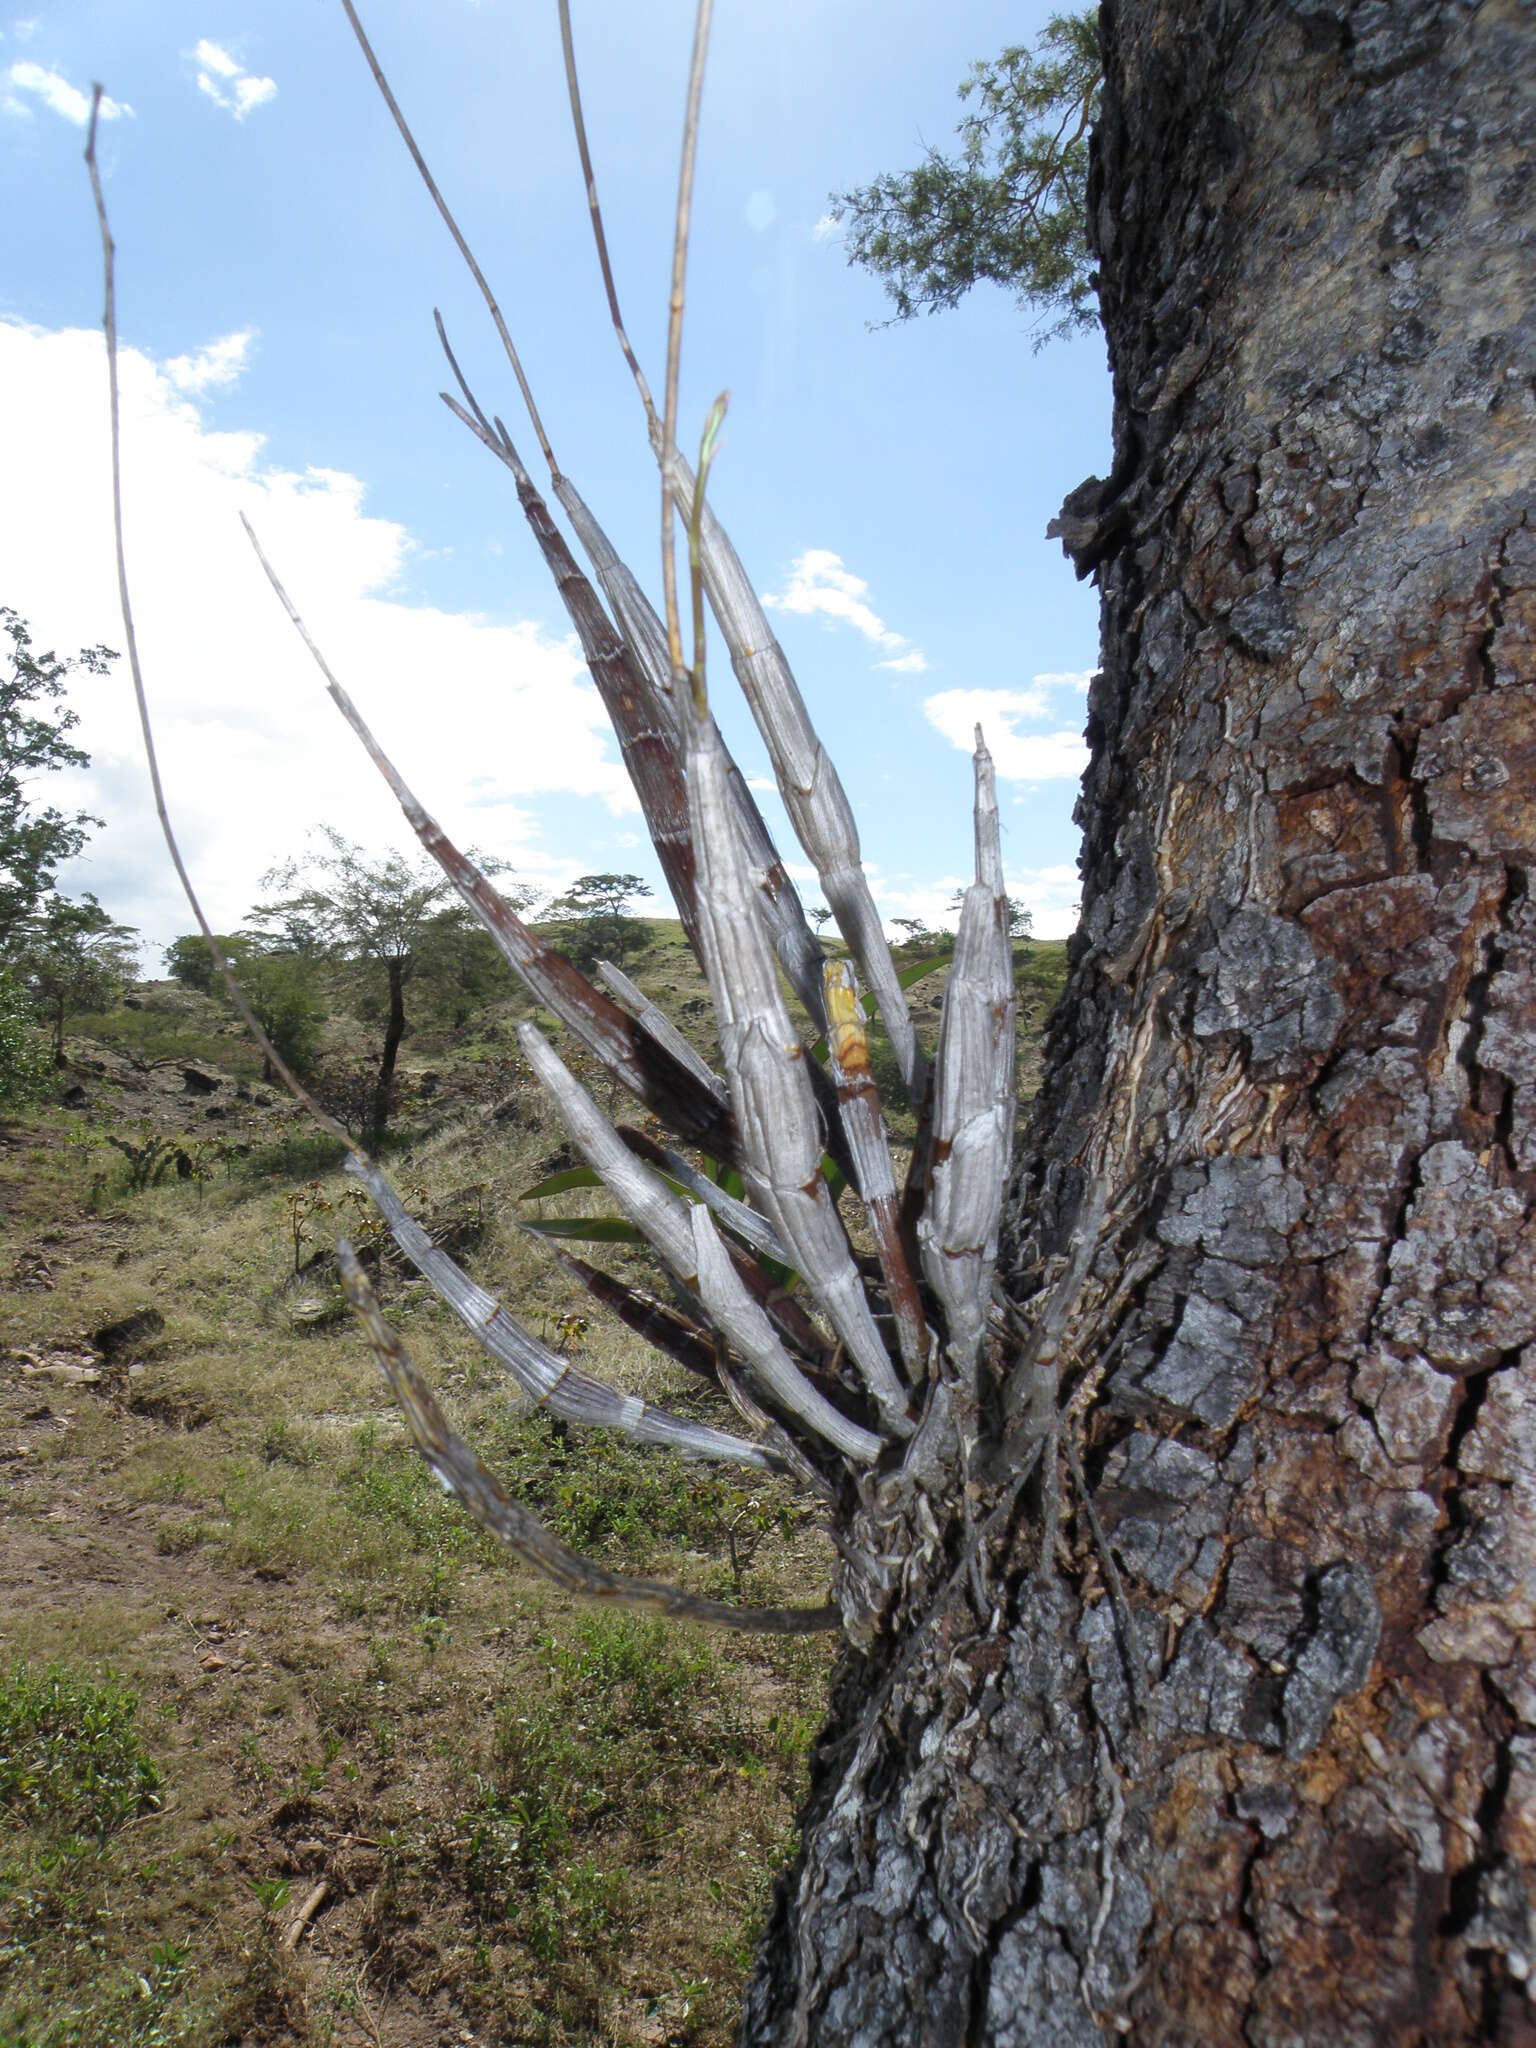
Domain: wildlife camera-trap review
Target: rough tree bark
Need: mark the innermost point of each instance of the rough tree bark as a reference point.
(1272, 1236)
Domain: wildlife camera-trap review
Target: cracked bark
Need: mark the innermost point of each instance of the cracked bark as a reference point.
(1272, 1244)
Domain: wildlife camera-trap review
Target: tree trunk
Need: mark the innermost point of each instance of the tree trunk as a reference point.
(394, 1031)
(1261, 1765)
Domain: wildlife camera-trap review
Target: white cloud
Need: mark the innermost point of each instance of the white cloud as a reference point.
(225, 80)
(820, 586)
(824, 229)
(251, 750)
(215, 367)
(213, 58)
(763, 783)
(56, 93)
(909, 664)
(1051, 895)
(1056, 756)
(253, 92)
(1065, 679)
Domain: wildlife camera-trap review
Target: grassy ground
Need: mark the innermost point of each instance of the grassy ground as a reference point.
(288, 1753)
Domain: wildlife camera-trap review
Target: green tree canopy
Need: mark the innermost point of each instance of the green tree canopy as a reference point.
(278, 984)
(602, 903)
(189, 959)
(351, 905)
(280, 988)
(35, 841)
(1011, 205)
(343, 903)
(74, 957)
(1021, 922)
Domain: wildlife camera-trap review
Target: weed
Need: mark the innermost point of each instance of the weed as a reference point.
(270, 1893)
(603, 1494)
(70, 1761)
(174, 1485)
(73, 1773)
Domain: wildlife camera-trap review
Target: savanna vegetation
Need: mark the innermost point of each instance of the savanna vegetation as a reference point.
(287, 1750)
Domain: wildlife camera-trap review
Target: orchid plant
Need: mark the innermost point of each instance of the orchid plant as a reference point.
(836, 1364)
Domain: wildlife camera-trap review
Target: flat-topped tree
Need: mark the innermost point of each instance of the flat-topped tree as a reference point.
(601, 903)
(1184, 1561)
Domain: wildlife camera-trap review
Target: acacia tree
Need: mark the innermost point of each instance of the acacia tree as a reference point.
(374, 911)
(602, 902)
(73, 957)
(1185, 1576)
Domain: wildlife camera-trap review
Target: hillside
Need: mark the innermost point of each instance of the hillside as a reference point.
(287, 1751)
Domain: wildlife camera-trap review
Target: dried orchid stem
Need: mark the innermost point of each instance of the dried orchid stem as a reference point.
(632, 610)
(584, 1399)
(578, 121)
(707, 446)
(809, 784)
(650, 756)
(683, 1341)
(484, 425)
(452, 226)
(457, 1466)
(545, 1377)
(765, 1067)
(670, 1225)
(973, 1096)
(646, 735)
(798, 950)
(799, 953)
(774, 1434)
(652, 1018)
(848, 894)
(479, 428)
(744, 1323)
(736, 1216)
(645, 1068)
(675, 323)
(859, 1102)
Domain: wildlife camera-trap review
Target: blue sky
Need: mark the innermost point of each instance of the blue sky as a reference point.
(278, 265)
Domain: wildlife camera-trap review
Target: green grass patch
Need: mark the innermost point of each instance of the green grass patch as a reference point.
(71, 1762)
(605, 1495)
(73, 1774)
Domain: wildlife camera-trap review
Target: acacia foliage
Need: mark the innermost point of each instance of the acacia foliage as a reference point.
(35, 841)
(1010, 206)
(74, 957)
